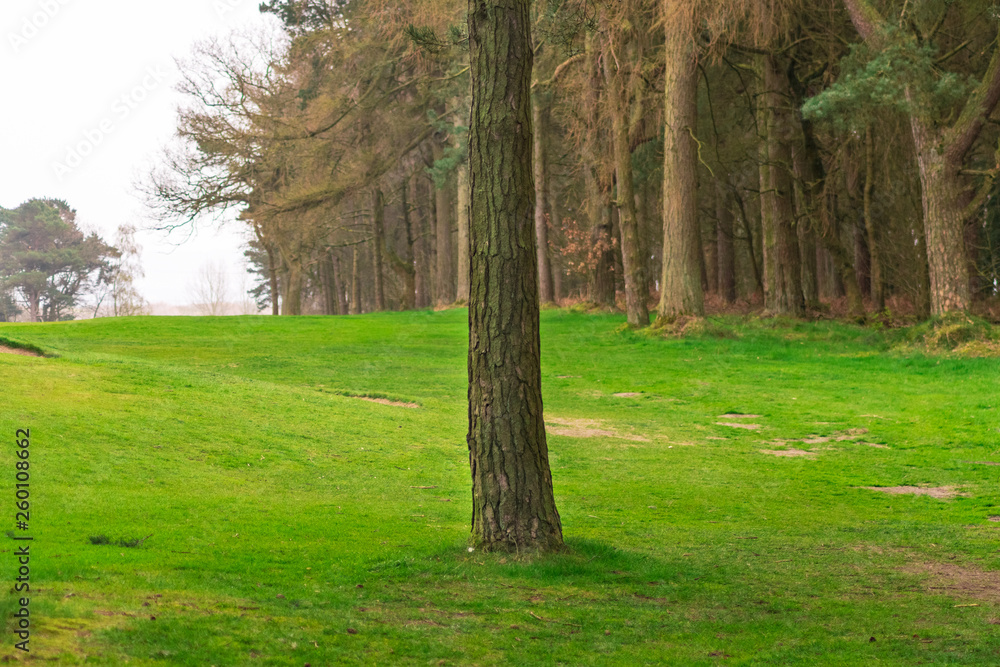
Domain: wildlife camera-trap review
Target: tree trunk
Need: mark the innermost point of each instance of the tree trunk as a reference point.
(680, 289)
(601, 286)
(378, 249)
(445, 279)
(782, 270)
(602, 277)
(403, 267)
(406, 267)
(463, 232)
(422, 253)
(272, 275)
(355, 285)
(293, 289)
(830, 228)
(636, 308)
(539, 117)
(513, 503)
(555, 223)
(724, 237)
(874, 251)
(944, 220)
(338, 285)
(327, 280)
(806, 199)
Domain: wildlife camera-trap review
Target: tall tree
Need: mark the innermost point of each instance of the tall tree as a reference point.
(943, 134)
(680, 292)
(512, 497)
(620, 80)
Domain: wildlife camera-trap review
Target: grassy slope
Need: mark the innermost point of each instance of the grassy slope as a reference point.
(226, 439)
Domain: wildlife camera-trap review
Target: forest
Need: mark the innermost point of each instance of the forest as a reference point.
(787, 157)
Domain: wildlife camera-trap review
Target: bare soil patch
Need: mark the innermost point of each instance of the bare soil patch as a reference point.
(749, 427)
(5, 349)
(959, 582)
(386, 401)
(587, 428)
(875, 445)
(628, 394)
(983, 463)
(787, 452)
(737, 415)
(850, 434)
(941, 492)
(993, 518)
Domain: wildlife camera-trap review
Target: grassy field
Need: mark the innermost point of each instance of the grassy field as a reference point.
(291, 522)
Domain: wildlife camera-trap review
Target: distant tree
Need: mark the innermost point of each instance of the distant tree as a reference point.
(121, 297)
(209, 289)
(513, 506)
(46, 261)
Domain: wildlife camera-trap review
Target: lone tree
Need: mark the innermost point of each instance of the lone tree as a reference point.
(513, 506)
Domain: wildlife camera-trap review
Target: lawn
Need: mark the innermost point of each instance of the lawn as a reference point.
(291, 522)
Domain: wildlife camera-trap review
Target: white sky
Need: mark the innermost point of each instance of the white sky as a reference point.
(75, 71)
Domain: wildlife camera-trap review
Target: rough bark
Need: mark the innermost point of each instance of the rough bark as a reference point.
(378, 247)
(680, 288)
(539, 119)
(513, 503)
(942, 194)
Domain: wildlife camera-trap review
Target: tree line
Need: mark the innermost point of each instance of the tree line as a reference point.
(782, 153)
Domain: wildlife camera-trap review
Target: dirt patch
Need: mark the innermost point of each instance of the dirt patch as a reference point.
(386, 401)
(875, 445)
(959, 582)
(941, 492)
(993, 518)
(815, 439)
(983, 463)
(787, 452)
(737, 415)
(749, 427)
(586, 428)
(5, 349)
(850, 434)
(628, 394)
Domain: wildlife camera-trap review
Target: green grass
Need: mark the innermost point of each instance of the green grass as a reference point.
(289, 524)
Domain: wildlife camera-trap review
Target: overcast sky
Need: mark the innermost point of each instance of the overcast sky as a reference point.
(89, 99)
